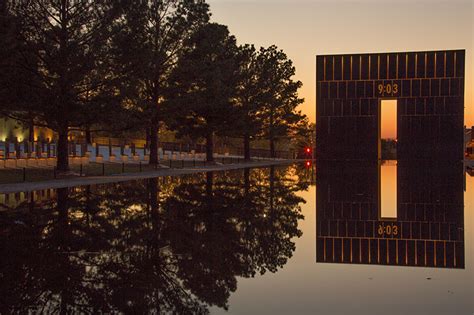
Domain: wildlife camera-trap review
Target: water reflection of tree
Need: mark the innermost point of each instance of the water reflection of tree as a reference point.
(306, 173)
(228, 226)
(147, 246)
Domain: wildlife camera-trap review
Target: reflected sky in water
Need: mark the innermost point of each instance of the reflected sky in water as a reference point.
(239, 242)
(307, 287)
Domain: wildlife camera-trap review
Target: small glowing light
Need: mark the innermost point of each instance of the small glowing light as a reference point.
(308, 150)
(308, 163)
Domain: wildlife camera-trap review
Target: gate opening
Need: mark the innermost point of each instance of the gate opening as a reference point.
(388, 192)
(388, 133)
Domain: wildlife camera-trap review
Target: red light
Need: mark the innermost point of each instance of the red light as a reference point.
(308, 150)
(308, 163)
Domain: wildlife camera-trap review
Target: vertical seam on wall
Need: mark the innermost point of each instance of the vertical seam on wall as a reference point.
(454, 65)
(378, 67)
(324, 72)
(416, 65)
(397, 67)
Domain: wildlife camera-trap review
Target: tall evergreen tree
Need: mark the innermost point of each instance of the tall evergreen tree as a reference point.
(154, 36)
(11, 49)
(66, 56)
(205, 85)
(280, 100)
(249, 94)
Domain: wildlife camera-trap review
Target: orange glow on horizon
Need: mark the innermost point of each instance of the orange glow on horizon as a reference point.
(306, 28)
(388, 124)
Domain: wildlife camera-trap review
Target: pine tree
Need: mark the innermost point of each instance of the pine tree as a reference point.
(65, 53)
(152, 40)
(279, 101)
(249, 93)
(205, 85)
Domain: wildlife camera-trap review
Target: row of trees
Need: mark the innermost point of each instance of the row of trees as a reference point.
(126, 65)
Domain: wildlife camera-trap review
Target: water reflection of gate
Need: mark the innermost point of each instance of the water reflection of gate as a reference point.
(428, 230)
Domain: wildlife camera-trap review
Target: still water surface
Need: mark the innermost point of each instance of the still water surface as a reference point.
(263, 241)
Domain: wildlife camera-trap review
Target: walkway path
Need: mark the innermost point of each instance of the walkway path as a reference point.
(80, 181)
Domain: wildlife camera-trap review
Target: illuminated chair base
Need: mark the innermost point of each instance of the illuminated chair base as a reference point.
(75, 160)
(10, 163)
(42, 162)
(20, 163)
(51, 161)
(32, 162)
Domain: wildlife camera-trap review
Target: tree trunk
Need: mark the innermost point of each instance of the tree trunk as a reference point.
(31, 132)
(154, 209)
(62, 235)
(272, 148)
(147, 138)
(272, 188)
(247, 147)
(154, 143)
(209, 147)
(271, 136)
(89, 204)
(152, 186)
(209, 187)
(88, 136)
(246, 181)
(63, 205)
(63, 150)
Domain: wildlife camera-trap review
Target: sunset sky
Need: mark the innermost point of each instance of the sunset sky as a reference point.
(306, 28)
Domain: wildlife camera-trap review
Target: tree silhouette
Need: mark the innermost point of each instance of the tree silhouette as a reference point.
(249, 97)
(154, 36)
(204, 85)
(278, 109)
(65, 54)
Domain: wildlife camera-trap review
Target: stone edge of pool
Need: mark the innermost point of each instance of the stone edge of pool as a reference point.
(81, 181)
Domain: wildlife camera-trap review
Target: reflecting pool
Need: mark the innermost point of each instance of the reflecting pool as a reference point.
(333, 239)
